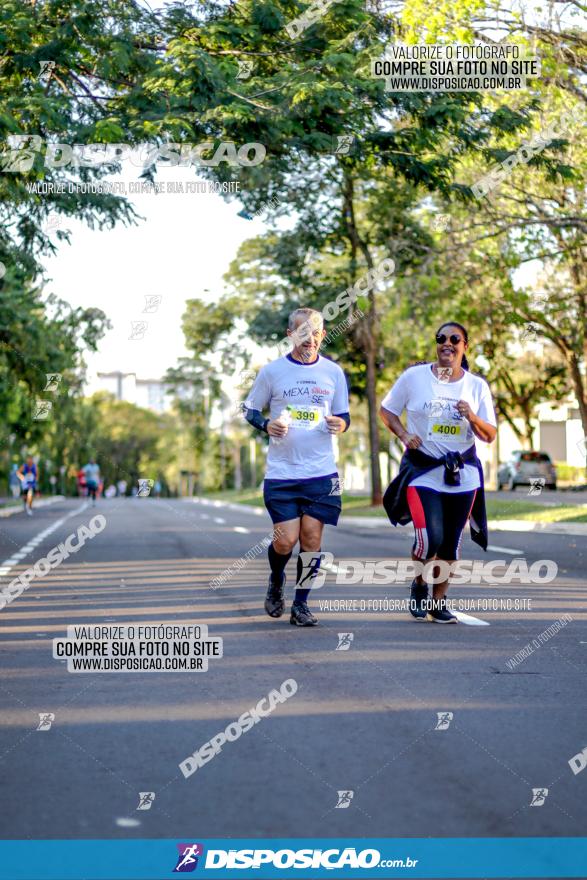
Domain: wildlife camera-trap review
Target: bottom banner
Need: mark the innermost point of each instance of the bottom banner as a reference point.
(483, 857)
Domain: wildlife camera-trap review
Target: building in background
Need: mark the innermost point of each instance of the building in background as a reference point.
(150, 394)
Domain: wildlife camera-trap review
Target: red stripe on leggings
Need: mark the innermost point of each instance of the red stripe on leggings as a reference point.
(416, 509)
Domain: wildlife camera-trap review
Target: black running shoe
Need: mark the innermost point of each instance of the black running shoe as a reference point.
(418, 595)
(274, 600)
(301, 615)
(439, 613)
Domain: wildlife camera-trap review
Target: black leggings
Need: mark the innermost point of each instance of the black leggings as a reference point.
(439, 519)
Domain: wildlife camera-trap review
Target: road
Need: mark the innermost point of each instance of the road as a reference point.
(362, 720)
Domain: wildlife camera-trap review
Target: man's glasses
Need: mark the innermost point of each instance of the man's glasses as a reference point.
(441, 338)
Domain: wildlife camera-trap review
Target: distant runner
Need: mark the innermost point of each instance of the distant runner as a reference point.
(307, 397)
(28, 475)
(92, 475)
(440, 481)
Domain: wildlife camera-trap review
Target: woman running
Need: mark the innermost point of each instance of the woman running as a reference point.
(440, 481)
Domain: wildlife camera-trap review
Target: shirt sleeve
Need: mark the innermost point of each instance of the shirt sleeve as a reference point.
(395, 401)
(259, 396)
(486, 409)
(340, 398)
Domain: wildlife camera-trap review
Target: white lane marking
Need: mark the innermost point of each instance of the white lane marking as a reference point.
(204, 516)
(496, 549)
(218, 519)
(241, 530)
(123, 822)
(469, 620)
(8, 564)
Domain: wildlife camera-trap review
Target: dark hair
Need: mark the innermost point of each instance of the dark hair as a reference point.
(464, 362)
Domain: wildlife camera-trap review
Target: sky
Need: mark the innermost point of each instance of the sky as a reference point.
(179, 251)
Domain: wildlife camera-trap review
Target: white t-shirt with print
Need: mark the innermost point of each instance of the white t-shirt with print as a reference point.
(430, 405)
(309, 392)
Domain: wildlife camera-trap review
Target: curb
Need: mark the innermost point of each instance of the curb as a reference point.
(495, 525)
(42, 502)
(374, 522)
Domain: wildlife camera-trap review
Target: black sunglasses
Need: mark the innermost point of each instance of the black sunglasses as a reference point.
(454, 338)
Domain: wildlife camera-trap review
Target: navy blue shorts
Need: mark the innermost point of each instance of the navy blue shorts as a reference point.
(290, 499)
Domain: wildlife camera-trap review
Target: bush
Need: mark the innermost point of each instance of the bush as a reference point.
(568, 474)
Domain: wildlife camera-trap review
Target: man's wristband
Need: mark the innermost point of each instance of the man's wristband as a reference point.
(256, 419)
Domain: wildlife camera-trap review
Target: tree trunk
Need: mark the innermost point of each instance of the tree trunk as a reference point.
(369, 336)
(376, 493)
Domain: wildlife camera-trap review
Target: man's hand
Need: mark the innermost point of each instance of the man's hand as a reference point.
(335, 424)
(277, 428)
(411, 441)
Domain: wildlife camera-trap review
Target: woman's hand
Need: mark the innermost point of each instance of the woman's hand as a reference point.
(411, 441)
(481, 429)
(464, 410)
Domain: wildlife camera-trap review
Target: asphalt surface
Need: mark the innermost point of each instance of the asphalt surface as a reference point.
(362, 720)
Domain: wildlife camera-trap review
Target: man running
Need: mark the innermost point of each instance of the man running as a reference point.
(92, 474)
(307, 398)
(28, 475)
